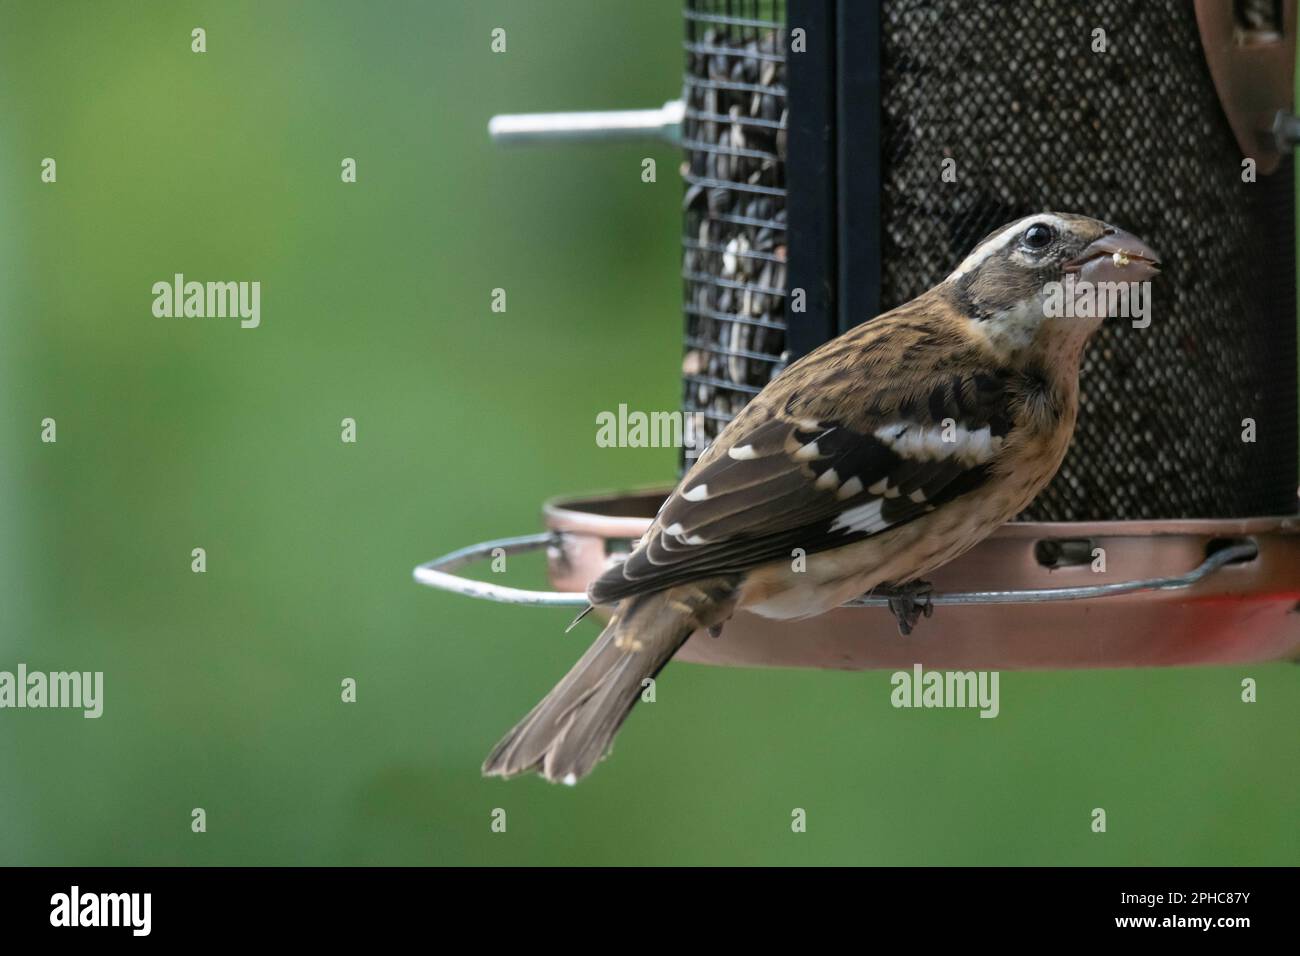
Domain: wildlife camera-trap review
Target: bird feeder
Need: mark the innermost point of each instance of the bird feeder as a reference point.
(842, 155)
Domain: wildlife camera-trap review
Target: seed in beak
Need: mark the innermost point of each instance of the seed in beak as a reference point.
(1120, 260)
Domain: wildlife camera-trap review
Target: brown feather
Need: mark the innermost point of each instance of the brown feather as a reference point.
(572, 728)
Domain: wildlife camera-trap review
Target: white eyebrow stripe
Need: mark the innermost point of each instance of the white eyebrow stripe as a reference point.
(999, 242)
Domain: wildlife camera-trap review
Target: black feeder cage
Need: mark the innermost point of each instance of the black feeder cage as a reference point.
(814, 133)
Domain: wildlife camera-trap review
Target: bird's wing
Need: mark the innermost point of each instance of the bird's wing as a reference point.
(789, 480)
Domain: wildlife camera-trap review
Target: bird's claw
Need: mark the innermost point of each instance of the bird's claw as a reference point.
(909, 602)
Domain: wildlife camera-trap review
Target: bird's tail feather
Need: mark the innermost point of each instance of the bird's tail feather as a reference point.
(573, 726)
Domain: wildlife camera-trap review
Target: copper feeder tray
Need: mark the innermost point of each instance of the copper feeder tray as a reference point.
(1173, 593)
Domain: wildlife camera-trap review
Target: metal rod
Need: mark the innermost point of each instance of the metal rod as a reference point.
(718, 348)
(755, 189)
(695, 244)
(435, 574)
(726, 119)
(664, 123)
(730, 21)
(690, 408)
(729, 317)
(762, 89)
(699, 146)
(714, 382)
(742, 52)
(772, 224)
(706, 278)
(1237, 552)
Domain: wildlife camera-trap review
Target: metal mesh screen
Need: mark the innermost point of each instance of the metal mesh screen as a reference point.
(734, 242)
(1135, 135)
(1035, 120)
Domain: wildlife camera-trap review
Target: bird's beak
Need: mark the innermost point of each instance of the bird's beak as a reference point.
(1117, 256)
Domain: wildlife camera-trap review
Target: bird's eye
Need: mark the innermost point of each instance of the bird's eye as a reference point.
(1038, 236)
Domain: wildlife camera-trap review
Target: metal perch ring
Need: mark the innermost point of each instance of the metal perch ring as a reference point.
(437, 574)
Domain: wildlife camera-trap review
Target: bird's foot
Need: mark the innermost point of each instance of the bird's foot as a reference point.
(909, 602)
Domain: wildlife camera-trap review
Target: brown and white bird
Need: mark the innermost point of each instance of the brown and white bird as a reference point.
(881, 455)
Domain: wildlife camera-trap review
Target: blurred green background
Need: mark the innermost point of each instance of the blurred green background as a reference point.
(223, 689)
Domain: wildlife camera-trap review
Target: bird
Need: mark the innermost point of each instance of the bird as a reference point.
(862, 467)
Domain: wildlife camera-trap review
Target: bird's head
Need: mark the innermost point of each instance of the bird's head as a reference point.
(1015, 283)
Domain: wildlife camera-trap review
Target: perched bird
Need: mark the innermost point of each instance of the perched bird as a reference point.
(881, 455)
